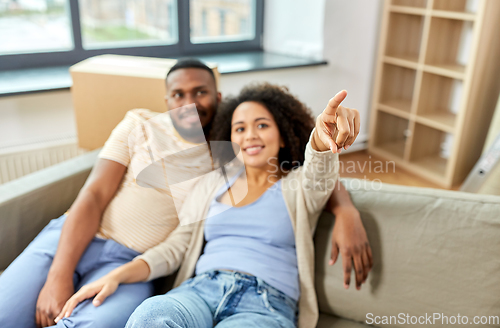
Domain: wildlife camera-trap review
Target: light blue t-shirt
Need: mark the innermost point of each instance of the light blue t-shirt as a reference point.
(256, 238)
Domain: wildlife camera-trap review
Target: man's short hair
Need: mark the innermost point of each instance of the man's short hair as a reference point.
(190, 63)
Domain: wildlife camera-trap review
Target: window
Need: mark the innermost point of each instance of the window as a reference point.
(107, 24)
(38, 33)
(34, 26)
(221, 20)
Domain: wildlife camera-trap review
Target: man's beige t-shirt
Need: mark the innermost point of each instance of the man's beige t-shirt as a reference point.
(142, 215)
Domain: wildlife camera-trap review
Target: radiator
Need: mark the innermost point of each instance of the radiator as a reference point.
(21, 160)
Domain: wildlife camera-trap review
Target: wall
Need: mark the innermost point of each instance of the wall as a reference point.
(36, 117)
(345, 33)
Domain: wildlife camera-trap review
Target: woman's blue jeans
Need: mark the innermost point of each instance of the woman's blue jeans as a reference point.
(218, 299)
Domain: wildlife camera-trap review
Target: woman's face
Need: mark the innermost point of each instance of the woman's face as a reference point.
(253, 128)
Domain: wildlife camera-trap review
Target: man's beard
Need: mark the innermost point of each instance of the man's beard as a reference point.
(194, 132)
(188, 133)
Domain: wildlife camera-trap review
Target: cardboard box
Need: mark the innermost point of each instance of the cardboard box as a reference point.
(106, 87)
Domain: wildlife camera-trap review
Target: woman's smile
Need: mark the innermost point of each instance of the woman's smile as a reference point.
(253, 150)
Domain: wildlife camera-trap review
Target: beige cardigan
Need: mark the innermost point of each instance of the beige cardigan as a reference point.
(305, 191)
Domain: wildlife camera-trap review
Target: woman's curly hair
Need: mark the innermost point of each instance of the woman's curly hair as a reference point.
(293, 118)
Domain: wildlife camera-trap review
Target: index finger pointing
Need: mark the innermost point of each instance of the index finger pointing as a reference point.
(335, 102)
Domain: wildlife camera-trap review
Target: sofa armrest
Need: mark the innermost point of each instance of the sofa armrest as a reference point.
(29, 203)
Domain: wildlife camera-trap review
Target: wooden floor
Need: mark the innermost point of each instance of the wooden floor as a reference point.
(363, 165)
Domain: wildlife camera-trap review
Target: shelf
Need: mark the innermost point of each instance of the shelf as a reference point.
(433, 97)
(397, 107)
(403, 61)
(463, 6)
(391, 134)
(430, 149)
(449, 46)
(408, 10)
(404, 36)
(454, 15)
(394, 109)
(440, 100)
(410, 3)
(455, 71)
(397, 87)
(441, 120)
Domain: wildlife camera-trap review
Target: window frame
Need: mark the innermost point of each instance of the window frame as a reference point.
(182, 48)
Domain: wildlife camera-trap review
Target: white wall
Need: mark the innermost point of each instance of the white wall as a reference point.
(344, 32)
(36, 117)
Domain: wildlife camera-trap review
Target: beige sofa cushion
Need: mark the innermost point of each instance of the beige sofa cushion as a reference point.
(435, 251)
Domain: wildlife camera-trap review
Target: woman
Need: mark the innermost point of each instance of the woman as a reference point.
(257, 265)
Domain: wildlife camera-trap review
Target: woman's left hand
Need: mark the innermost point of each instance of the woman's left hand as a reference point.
(338, 126)
(102, 287)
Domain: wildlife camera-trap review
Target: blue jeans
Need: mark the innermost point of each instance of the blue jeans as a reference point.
(218, 299)
(22, 281)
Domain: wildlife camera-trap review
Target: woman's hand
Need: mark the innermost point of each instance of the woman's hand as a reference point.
(337, 127)
(103, 287)
(349, 237)
(129, 273)
(350, 240)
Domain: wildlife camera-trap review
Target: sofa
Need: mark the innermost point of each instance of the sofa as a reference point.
(436, 253)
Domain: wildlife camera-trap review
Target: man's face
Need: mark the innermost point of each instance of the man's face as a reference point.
(191, 86)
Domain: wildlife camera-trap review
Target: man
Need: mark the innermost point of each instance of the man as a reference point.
(113, 219)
